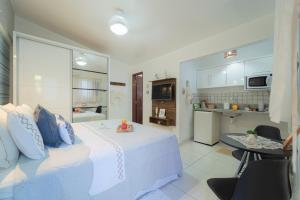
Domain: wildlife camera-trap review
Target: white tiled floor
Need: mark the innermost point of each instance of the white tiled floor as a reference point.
(200, 162)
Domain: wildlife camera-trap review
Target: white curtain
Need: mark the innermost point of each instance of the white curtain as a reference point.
(284, 97)
(284, 59)
(298, 141)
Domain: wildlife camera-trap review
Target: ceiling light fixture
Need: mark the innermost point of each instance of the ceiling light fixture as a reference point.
(118, 24)
(230, 54)
(81, 60)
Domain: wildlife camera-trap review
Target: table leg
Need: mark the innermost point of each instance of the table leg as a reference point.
(246, 163)
(241, 163)
(247, 159)
(255, 156)
(259, 157)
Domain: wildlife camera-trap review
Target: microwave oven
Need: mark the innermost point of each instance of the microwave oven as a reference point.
(258, 82)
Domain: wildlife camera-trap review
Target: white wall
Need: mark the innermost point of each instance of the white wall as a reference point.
(244, 34)
(247, 52)
(120, 72)
(120, 96)
(186, 118)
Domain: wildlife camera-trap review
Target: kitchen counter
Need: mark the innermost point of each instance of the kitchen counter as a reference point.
(220, 110)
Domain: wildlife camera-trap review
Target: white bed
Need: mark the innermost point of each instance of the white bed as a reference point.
(87, 116)
(148, 159)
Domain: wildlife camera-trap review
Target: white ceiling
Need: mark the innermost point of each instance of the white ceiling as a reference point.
(156, 27)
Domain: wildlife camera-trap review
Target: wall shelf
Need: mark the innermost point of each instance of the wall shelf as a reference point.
(84, 70)
(89, 89)
(161, 121)
(88, 106)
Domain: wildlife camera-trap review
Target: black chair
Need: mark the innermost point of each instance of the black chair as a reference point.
(99, 109)
(268, 132)
(263, 131)
(263, 179)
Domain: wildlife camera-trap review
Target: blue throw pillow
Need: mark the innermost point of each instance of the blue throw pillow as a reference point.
(46, 122)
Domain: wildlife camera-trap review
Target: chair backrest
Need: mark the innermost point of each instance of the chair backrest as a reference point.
(99, 109)
(268, 132)
(264, 179)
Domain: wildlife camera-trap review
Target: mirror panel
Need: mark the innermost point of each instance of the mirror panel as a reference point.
(90, 87)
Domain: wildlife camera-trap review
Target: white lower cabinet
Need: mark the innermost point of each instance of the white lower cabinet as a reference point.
(206, 127)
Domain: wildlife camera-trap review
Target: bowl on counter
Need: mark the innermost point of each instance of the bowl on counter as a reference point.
(211, 106)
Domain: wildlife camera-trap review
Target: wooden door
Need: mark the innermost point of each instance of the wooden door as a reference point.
(137, 97)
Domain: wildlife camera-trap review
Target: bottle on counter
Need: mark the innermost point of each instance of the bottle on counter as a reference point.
(261, 106)
(226, 106)
(203, 104)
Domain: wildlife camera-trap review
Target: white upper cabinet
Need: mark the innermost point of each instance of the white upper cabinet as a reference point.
(258, 66)
(235, 74)
(217, 77)
(203, 78)
(211, 77)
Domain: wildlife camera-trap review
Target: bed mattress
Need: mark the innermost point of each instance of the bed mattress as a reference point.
(151, 160)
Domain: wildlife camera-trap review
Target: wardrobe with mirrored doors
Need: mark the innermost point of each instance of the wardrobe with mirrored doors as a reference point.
(67, 80)
(90, 86)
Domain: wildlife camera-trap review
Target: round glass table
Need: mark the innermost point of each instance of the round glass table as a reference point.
(247, 151)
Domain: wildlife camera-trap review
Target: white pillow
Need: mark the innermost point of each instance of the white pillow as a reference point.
(26, 109)
(9, 107)
(26, 134)
(9, 153)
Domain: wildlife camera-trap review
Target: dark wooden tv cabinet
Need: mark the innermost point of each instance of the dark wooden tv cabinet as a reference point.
(169, 105)
(161, 121)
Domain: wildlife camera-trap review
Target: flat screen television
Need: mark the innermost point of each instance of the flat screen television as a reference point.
(162, 92)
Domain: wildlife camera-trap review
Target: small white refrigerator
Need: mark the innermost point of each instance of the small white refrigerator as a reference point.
(206, 127)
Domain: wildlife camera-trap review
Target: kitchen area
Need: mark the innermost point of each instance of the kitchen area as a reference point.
(227, 92)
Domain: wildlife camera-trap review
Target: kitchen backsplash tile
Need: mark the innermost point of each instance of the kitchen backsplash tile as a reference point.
(234, 95)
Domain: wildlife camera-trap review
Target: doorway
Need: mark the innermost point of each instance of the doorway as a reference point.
(137, 97)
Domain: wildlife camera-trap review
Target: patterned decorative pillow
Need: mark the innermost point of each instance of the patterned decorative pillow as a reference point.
(26, 134)
(46, 122)
(9, 152)
(65, 130)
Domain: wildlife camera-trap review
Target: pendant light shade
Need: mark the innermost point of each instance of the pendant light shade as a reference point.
(81, 60)
(230, 54)
(118, 24)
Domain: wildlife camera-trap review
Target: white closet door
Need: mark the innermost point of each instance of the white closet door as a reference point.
(44, 76)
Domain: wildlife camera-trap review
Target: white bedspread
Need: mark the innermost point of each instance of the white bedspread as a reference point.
(76, 172)
(107, 157)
